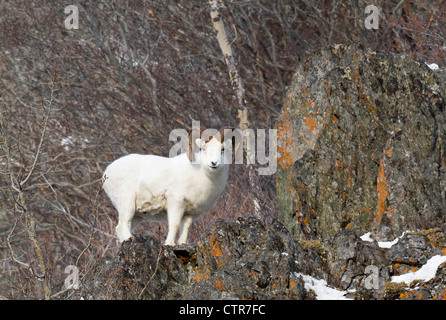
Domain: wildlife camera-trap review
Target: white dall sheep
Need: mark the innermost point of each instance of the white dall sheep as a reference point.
(175, 190)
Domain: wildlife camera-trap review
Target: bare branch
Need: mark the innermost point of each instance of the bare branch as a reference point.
(42, 137)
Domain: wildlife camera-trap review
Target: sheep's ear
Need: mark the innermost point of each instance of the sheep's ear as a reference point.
(200, 143)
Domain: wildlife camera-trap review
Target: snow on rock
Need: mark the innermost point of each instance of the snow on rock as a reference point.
(433, 66)
(388, 244)
(382, 244)
(367, 237)
(425, 273)
(321, 288)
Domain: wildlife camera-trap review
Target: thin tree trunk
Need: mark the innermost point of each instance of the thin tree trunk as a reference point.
(226, 49)
(237, 86)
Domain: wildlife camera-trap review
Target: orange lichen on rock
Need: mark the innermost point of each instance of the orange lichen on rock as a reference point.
(411, 294)
(362, 97)
(285, 157)
(383, 191)
(311, 123)
(440, 295)
(201, 275)
(216, 252)
(219, 285)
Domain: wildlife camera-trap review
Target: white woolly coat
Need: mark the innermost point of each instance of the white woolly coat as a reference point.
(145, 184)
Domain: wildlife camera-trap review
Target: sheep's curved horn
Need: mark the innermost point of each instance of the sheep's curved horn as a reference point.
(192, 148)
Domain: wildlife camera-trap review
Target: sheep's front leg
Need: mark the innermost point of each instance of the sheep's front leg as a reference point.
(175, 211)
(185, 224)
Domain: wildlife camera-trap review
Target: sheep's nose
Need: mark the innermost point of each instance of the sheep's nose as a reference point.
(214, 164)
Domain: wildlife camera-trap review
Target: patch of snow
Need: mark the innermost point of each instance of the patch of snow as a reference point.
(425, 273)
(70, 140)
(321, 288)
(367, 237)
(433, 66)
(388, 244)
(382, 244)
(65, 142)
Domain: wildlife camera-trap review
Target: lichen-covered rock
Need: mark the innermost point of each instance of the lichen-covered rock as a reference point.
(414, 249)
(362, 145)
(357, 265)
(143, 269)
(234, 260)
(434, 289)
(245, 259)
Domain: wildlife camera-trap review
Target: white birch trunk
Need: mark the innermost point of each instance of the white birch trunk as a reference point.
(237, 85)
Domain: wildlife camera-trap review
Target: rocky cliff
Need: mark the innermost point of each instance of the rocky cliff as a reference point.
(362, 145)
(244, 259)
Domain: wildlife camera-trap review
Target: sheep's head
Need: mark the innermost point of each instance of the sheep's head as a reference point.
(209, 149)
(211, 156)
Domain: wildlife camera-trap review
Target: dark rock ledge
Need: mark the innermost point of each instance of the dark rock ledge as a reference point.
(244, 259)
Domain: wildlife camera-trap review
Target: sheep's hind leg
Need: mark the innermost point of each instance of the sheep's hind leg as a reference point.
(124, 227)
(184, 228)
(123, 230)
